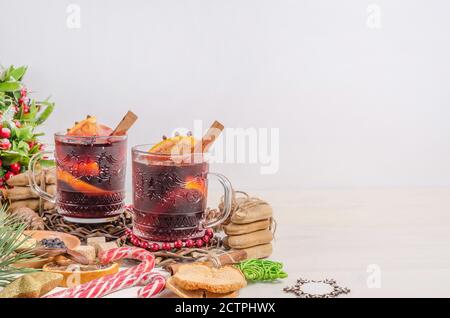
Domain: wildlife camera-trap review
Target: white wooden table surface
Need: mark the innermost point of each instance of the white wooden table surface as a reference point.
(340, 233)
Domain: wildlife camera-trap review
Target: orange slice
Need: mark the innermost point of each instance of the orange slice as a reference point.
(86, 127)
(89, 127)
(80, 274)
(193, 183)
(175, 145)
(90, 169)
(78, 184)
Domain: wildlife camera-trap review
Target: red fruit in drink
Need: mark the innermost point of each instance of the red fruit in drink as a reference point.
(8, 175)
(5, 144)
(15, 168)
(190, 243)
(5, 132)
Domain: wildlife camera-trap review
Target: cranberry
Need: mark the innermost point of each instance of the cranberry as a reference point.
(5, 133)
(166, 247)
(15, 167)
(5, 144)
(190, 243)
(8, 175)
(144, 244)
(209, 232)
(178, 244)
(154, 247)
(206, 238)
(199, 243)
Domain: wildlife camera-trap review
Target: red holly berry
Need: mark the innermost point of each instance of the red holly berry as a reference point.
(209, 232)
(8, 175)
(1, 163)
(189, 243)
(5, 133)
(178, 244)
(23, 92)
(15, 168)
(26, 109)
(206, 238)
(166, 246)
(5, 144)
(154, 247)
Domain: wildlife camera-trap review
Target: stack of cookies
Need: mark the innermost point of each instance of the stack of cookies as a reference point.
(249, 228)
(200, 280)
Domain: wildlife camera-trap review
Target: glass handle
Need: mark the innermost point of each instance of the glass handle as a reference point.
(227, 199)
(32, 177)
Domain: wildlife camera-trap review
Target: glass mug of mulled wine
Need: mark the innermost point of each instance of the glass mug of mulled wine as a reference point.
(90, 171)
(170, 195)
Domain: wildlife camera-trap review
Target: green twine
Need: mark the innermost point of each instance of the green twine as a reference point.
(261, 270)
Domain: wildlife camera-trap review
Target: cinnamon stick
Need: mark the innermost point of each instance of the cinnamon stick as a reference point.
(210, 137)
(127, 121)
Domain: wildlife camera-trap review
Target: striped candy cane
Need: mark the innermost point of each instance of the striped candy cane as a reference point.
(134, 276)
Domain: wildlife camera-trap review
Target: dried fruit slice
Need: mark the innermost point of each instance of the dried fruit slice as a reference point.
(89, 127)
(175, 145)
(80, 274)
(78, 184)
(86, 127)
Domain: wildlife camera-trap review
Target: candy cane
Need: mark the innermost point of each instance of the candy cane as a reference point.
(133, 276)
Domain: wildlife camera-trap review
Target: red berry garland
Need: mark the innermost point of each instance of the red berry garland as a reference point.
(166, 246)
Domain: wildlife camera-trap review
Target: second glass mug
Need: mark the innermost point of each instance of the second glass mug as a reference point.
(91, 171)
(170, 195)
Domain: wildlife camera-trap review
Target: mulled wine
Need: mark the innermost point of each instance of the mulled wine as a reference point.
(90, 172)
(90, 177)
(169, 195)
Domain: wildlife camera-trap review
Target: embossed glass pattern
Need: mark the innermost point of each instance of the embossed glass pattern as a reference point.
(169, 198)
(91, 175)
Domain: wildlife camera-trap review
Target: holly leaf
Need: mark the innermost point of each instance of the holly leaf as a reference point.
(18, 73)
(43, 115)
(10, 86)
(23, 133)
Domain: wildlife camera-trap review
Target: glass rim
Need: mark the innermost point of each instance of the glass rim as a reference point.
(114, 137)
(136, 149)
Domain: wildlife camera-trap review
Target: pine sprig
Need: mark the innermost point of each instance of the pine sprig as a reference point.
(11, 238)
